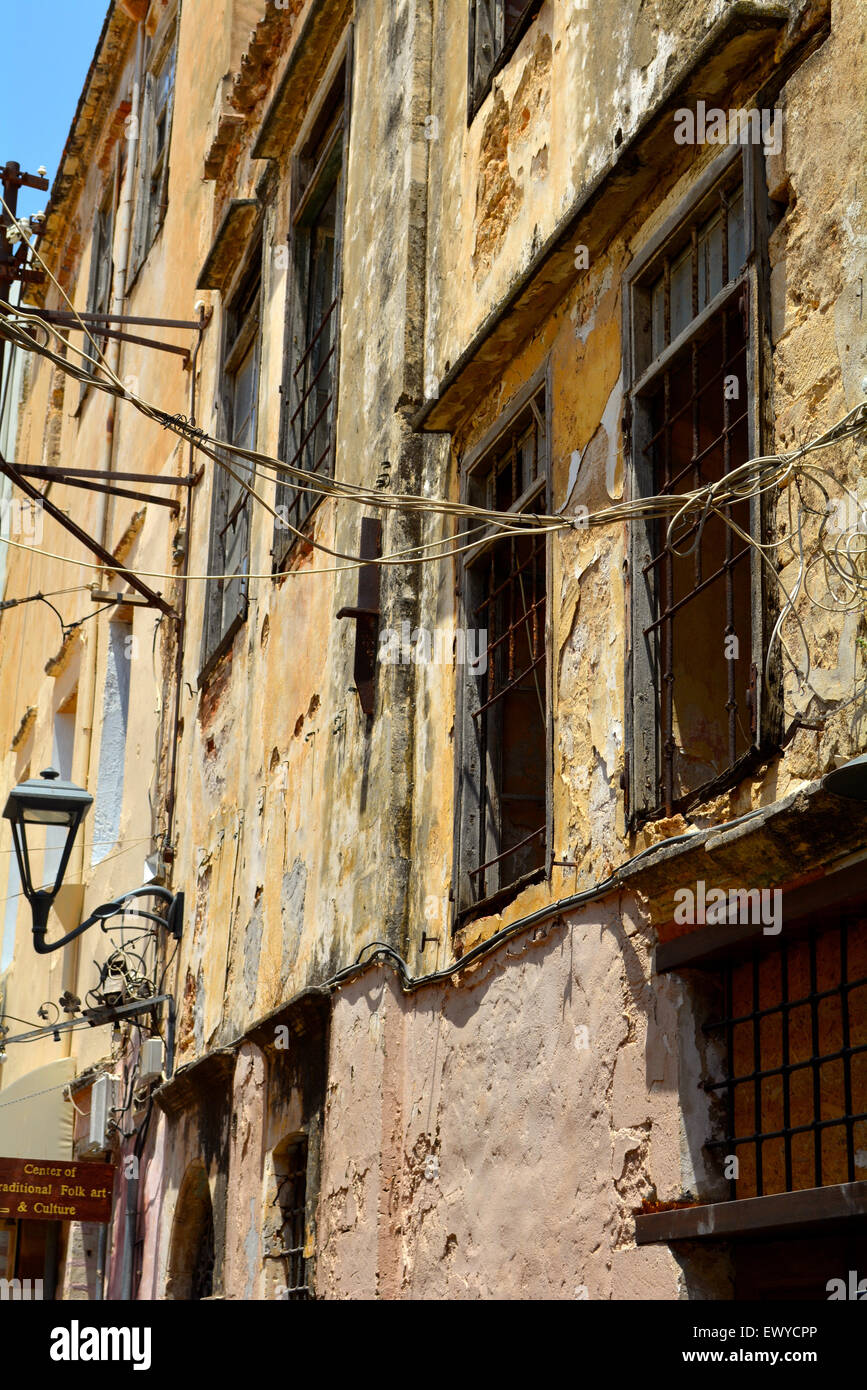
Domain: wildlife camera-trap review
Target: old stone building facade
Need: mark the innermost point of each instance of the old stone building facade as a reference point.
(447, 742)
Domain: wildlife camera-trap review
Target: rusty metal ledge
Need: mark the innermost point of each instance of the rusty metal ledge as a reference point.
(785, 845)
(785, 1213)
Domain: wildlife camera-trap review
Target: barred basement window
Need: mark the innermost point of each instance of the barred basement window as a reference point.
(226, 599)
(696, 641)
(291, 1200)
(309, 389)
(794, 1090)
(496, 29)
(505, 762)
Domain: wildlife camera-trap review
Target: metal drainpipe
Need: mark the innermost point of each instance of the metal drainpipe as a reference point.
(101, 1252)
(122, 241)
(130, 1223)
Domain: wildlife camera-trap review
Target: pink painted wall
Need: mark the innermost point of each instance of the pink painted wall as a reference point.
(480, 1144)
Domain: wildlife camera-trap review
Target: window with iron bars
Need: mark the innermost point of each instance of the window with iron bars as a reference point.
(496, 28)
(696, 640)
(792, 1030)
(226, 598)
(309, 390)
(291, 1200)
(504, 748)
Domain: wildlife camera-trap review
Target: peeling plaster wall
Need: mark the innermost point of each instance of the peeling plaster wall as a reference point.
(497, 1134)
(303, 831)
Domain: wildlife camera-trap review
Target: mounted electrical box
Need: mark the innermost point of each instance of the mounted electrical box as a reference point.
(151, 1060)
(101, 1099)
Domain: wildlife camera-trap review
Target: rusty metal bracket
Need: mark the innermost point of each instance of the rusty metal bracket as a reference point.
(104, 556)
(366, 614)
(69, 320)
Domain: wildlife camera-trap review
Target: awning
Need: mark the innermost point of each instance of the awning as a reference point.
(35, 1120)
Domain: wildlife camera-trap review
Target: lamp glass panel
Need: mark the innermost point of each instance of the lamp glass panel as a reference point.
(47, 817)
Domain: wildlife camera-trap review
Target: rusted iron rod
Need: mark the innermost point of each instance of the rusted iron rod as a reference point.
(104, 556)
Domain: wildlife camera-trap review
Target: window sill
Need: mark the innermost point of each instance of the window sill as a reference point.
(487, 907)
(224, 646)
(294, 548)
(807, 1211)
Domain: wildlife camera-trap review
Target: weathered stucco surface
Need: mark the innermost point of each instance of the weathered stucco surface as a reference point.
(471, 1144)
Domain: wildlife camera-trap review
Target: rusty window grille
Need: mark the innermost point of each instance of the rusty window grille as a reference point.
(291, 1200)
(793, 1035)
(309, 387)
(694, 672)
(226, 598)
(504, 750)
(496, 28)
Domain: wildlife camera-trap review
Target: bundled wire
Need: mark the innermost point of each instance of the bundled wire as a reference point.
(841, 562)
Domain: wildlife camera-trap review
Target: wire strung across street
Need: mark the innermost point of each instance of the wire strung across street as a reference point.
(842, 562)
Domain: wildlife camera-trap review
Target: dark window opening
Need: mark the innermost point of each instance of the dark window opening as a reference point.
(310, 370)
(291, 1200)
(793, 1026)
(496, 28)
(202, 1271)
(694, 640)
(504, 815)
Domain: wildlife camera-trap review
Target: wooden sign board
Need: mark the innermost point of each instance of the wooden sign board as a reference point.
(47, 1189)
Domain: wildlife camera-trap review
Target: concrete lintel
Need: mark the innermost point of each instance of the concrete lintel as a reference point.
(229, 245)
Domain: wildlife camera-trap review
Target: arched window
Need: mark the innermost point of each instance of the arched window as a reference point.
(290, 1172)
(191, 1256)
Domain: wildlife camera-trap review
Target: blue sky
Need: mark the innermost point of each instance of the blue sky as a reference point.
(48, 46)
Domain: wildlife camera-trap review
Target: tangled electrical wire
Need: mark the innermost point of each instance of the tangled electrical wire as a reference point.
(841, 560)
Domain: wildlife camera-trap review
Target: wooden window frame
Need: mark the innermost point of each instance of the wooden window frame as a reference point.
(644, 800)
(309, 180)
(467, 908)
(146, 221)
(490, 15)
(102, 239)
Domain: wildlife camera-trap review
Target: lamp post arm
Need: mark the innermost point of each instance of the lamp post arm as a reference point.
(41, 904)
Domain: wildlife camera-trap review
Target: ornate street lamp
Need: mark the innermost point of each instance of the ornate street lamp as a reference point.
(47, 800)
(43, 801)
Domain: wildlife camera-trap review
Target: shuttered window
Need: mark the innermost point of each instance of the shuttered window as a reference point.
(154, 138)
(496, 28)
(226, 596)
(101, 268)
